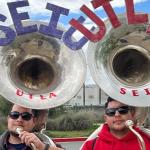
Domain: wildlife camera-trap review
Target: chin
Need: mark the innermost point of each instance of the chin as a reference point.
(120, 127)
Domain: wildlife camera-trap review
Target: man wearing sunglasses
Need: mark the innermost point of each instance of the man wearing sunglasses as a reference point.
(114, 134)
(24, 118)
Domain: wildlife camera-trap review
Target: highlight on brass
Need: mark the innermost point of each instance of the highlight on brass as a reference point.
(122, 58)
(130, 124)
(33, 63)
(38, 66)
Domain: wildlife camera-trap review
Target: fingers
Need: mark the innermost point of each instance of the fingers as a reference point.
(26, 137)
(31, 138)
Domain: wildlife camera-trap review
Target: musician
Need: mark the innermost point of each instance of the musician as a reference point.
(114, 134)
(25, 119)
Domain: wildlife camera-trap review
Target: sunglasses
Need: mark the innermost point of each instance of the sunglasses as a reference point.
(25, 115)
(122, 110)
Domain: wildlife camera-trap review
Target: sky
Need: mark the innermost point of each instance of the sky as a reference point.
(37, 11)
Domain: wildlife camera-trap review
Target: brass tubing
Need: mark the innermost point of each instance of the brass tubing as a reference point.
(129, 124)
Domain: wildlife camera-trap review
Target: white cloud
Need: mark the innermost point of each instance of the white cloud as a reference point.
(39, 6)
(5, 11)
(121, 3)
(75, 5)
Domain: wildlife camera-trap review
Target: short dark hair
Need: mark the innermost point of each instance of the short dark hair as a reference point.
(109, 99)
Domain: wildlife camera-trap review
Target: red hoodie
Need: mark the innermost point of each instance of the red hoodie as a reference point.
(106, 141)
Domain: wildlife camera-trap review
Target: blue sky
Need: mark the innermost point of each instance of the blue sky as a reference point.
(37, 10)
(139, 5)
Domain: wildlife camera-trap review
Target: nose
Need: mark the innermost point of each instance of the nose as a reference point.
(117, 113)
(20, 118)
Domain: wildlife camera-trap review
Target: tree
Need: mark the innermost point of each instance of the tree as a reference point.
(4, 106)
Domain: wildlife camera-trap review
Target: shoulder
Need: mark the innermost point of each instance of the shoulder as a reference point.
(88, 145)
(144, 132)
(4, 136)
(3, 139)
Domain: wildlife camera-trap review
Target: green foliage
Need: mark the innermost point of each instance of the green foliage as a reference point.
(4, 106)
(3, 124)
(79, 133)
(57, 111)
(4, 110)
(66, 124)
(74, 121)
(52, 124)
(81, 121)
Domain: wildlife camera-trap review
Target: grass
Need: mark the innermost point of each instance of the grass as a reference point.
(69, 134)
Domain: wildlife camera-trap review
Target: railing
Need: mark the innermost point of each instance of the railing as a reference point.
(70, 143)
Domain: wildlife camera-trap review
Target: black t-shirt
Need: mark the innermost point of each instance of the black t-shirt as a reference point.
(17, 146)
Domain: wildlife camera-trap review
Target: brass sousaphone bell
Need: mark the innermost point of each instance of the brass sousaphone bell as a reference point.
(39, 71)
(120, 63)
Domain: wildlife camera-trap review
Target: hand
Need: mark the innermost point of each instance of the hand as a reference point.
(29, 138)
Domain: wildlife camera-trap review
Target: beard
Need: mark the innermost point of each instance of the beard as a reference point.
(13, 133)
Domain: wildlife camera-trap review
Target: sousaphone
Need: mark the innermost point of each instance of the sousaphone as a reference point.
(120, 63)
(39, 71)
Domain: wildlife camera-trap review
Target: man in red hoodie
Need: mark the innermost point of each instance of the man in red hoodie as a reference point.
(114, 134)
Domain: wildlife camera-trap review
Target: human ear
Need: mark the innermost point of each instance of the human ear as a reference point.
(105, 117)
(34, 120)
